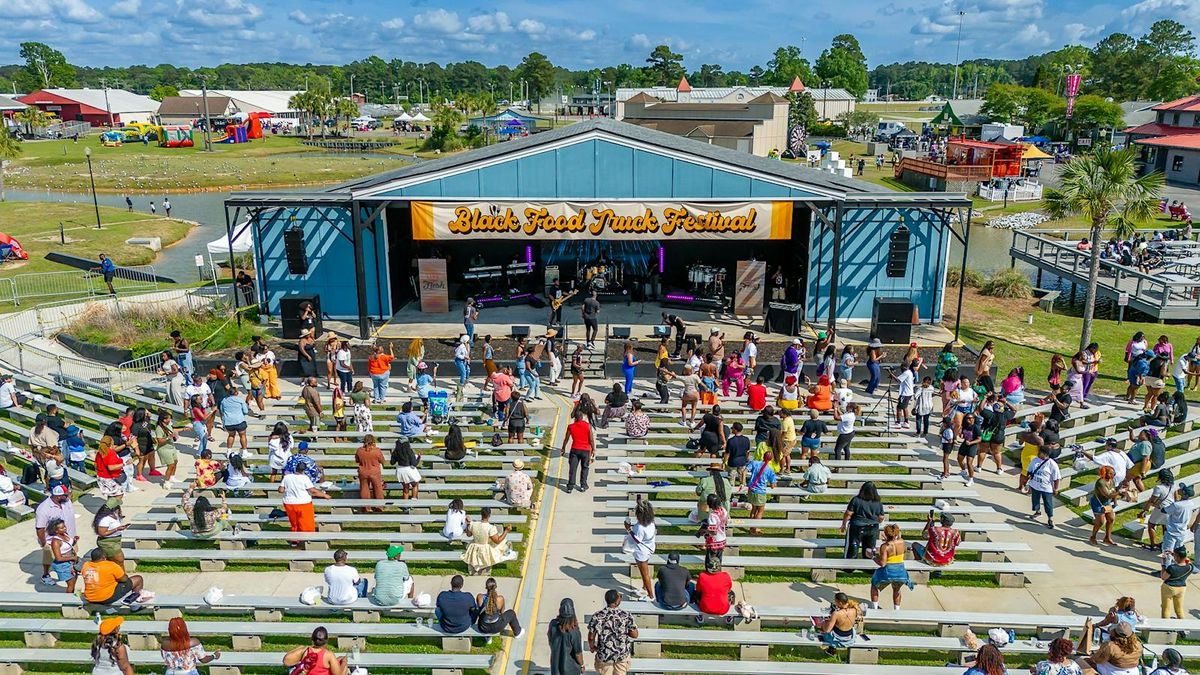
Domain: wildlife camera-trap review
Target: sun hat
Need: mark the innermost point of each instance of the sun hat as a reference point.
(306, 332)
(797, 341)
(54, 470)
(714, 331)
(874, 343)
(111, 624)
(464, 339)
(394, 550)
(821, 335)
(421, 366)
(1121, 629)
(518, 465)
(716, 466)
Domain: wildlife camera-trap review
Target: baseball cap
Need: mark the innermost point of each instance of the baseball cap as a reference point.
(673, 557)
(40, 419)
(58, 491)
(797, 341)
(421, 366)
(111, 624)
(394, 550)
(302, 446)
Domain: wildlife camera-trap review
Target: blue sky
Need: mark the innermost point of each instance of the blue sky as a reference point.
(573, 33)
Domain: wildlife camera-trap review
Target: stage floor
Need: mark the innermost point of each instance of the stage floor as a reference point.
(410, 322)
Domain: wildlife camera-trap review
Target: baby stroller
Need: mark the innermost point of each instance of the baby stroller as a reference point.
(439, 406)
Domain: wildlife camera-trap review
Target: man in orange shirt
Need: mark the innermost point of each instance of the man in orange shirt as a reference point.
(379, 365)
(105, 582)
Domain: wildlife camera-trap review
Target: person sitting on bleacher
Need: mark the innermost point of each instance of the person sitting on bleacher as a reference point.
(75, 448)
(637, 423)
(1121, 654)
(105, 582)
(345, 584)
(756, 394)
(8, 393)
(518, 486)
(674, 585)
(393, 581)
(456, 610)
(300, 462)
(411, 424)
(616, 404)
(43, 441)
(941, 542)
(822, 396)
(839, 629)
(816, 478)
(714, 589)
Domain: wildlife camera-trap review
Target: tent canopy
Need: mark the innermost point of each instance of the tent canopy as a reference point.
(946, 116)
(1032, 152)
(420, 117)
(404, 117)
(242, 241)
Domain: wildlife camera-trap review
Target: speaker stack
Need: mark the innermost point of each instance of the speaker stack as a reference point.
(891, 320)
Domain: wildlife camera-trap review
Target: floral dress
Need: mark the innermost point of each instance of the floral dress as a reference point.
(180, 663)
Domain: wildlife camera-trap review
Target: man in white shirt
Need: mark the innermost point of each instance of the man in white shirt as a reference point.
(1116, 458)
(905, 388)
(344, 584)
(8, 393)
(462, 360)
(1178, 372)
(344, 367)
(750, 355)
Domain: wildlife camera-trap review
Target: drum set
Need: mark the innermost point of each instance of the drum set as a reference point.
(603, 278)
(707, 280)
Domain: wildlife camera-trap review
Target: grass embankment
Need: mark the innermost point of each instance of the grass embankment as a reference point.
(35, 225)
(1019, 343)
(137, 168)
(144, 330)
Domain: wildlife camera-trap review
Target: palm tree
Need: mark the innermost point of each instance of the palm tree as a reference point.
(1103, 187)
(33, 118)
(10, 148)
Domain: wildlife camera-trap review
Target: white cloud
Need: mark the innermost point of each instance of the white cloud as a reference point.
(393, 24)
(22, 9)
(225, 14)
(639, 41)
(78, 11)
(531, 27)
(496, 22)
(586, 35)
(1138, 17)
(125, 8)
(301, 18)
(438, 21)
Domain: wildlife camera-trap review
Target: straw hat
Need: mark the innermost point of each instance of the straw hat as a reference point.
(306, 332)
(518, 465)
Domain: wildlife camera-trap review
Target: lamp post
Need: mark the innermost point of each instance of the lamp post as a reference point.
(87, 153)
(824, 100)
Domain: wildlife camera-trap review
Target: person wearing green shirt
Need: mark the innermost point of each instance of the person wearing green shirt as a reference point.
(714, 483)
(393, 582)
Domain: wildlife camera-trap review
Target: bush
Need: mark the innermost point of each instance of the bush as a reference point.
(145, 329)
(954, 277)
(1009, 283)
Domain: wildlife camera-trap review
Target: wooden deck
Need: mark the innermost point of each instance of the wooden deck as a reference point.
(1162, 295)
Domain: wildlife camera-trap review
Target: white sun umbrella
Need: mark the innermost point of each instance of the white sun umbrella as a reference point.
(420, 117)
(403, 117)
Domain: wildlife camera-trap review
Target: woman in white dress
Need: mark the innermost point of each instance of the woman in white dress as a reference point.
(489, 545)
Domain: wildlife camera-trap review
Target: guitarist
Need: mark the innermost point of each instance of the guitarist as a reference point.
(556, 297)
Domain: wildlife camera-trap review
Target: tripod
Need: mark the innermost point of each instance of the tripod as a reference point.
(887, 397)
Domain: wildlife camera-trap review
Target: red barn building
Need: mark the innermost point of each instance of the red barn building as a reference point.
(98, 107)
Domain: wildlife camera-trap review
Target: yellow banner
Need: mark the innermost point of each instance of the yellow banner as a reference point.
(450, 221)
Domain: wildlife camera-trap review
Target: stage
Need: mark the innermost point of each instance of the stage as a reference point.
(410, 322)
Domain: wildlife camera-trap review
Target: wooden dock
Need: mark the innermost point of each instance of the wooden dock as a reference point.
(1163, 295)
(344, 145)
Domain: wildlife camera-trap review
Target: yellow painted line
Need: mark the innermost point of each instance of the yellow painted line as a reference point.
(537, 597)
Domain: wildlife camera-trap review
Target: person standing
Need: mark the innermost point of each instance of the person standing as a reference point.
(750, 356)
(369, 459)
(1042, 476)
(379, 366)
(57, 506)
(128, 203)
(609, 635)
(470, 316)
(590, 312)
(1175, 577)
(311, 398)
(566, 644)
(845, 430)
(306, 353)
(792, 358)
(167, 206)
(108, 270)
(863, 515)
(554, 298)
(298, 491)
(343, 365)
(153, 208)
(416, 354)
(462, 360)
(580, 442)
(874, 355)
(679, 328)
(760, 481)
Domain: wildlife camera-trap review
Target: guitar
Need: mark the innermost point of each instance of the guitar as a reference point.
(555, 304)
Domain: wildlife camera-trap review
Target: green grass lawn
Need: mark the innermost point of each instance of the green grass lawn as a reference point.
(1019, 343)
(136, 168)
(35, 224)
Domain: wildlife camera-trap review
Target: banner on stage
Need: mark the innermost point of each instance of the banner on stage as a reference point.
(435, 289)
(612, 221)
(751, 286)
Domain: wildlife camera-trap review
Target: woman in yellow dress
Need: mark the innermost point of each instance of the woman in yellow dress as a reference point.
(416, 354)
(489, 545)
(1031, 442)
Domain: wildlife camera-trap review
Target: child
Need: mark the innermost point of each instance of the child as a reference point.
(842, 395)
(787, 427)
(708, 390)
(947, 443)
(339, 410)
(923, 406)
(76, 448)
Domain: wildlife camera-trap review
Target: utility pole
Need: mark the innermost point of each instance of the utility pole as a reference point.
(107, 106)
(957, 52)
(207, 120)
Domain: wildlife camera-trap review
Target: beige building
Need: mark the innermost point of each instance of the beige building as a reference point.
(829, 102)
(756, 125)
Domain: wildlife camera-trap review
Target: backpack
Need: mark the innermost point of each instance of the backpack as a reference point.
(497, 441)
(31, 473)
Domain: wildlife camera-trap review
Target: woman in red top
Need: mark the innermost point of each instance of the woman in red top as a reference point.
(714, 589)
(756, 394)
(109, 465)
(316, 660)
(578, 444)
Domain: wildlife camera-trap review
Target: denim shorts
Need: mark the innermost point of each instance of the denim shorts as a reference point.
(63, 570)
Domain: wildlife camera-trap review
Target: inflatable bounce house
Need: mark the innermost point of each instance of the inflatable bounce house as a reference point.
(175, 136)
(249, 127)
(10, 249)
(112, 139)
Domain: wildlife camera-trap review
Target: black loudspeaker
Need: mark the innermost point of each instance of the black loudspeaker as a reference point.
(891, 320)
(520, 331)
(289, 314)
(621, 332)
(293, 248)
(898, 245)
(662, 331)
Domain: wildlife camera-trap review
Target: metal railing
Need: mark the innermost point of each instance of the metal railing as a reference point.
(1065, 259)
(76, 284)
(1016, 193)
(945, 171)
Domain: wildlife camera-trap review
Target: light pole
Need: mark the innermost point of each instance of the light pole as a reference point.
(824, 100)
(87, 153)
(957, 50)
(207, 120)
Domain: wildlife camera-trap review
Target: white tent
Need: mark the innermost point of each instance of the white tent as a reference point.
(243, 242)
(403, 117)
(420, 117)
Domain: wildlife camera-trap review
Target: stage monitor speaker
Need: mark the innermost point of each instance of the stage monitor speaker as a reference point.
(892, 310)
(520, 331)
(289, 314)
(662, 331)
(621, 332)
(898, 245)
(293, 248)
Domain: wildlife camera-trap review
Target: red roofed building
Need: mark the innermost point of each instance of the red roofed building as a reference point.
(95, 106)
(1171, 143)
